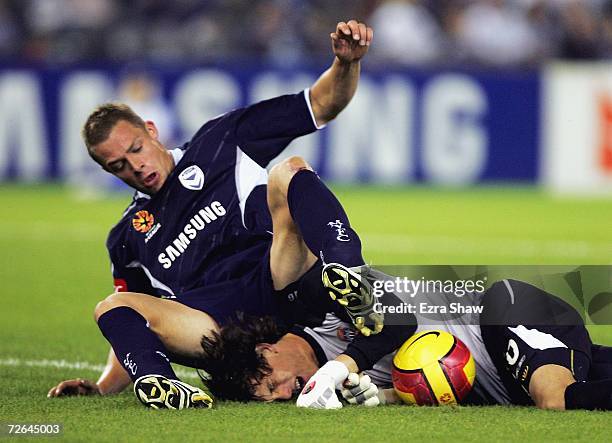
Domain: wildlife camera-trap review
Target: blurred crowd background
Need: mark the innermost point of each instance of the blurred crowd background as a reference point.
(407, 32)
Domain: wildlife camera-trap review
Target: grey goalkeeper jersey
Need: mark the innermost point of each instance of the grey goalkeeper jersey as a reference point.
(334, 335)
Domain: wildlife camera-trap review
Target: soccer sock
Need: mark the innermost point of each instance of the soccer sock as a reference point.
(322, 221)
(589, 395)
(137, 348)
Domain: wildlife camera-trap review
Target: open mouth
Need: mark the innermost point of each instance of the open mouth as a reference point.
(299, 385)
(150, 179)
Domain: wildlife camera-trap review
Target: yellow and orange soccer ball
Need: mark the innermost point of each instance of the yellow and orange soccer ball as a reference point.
(433, 368)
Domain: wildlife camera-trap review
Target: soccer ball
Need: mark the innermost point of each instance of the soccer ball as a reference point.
(433, 368)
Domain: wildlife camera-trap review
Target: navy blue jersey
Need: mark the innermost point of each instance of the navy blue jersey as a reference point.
(209, 223)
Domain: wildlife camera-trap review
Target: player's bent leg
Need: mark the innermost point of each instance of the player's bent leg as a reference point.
(290, 258)
(539, 362)
(547, 386)
(128, 321)
(179, 327)
(554, 387)
(309, 222)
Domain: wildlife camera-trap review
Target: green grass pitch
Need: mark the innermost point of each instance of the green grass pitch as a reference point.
(53, 270)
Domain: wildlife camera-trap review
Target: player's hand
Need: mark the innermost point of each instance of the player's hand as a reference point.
(351, 40)
(320, 390)
(358, 389)
(77, 386)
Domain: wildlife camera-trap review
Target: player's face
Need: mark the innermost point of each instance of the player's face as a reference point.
(290, 371)
(136, 156)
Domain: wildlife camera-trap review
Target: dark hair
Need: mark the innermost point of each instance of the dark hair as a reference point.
(231, 360)
(102, 120)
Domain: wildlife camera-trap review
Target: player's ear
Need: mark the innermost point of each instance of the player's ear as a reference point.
(260, 348)
(152, 129)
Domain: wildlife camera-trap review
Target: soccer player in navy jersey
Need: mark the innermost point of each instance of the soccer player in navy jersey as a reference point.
(199, 229)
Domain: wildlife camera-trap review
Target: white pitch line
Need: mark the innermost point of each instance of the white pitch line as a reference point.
(78, 365)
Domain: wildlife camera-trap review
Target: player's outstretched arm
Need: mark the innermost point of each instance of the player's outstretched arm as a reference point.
(335, 88)
(113, 380)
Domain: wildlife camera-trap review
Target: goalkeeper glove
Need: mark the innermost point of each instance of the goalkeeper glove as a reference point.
(320, 390)
(358, 389)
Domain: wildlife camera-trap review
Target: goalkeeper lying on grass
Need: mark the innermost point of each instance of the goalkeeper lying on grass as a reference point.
(522, 330)
(530, 348)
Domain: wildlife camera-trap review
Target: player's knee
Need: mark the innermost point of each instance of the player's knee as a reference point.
(103, 306)
(112, 301)
(295, 163)
(547, 386)
(282, 173)
(547, 395)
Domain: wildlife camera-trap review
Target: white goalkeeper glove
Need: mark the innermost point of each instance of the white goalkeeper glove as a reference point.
(320, 390)
(358, 389)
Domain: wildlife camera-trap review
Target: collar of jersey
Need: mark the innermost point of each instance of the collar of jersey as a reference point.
(177, 155)
(316, 347)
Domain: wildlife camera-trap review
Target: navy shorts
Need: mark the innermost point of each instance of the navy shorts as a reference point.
(251, 293)
(524, 327)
